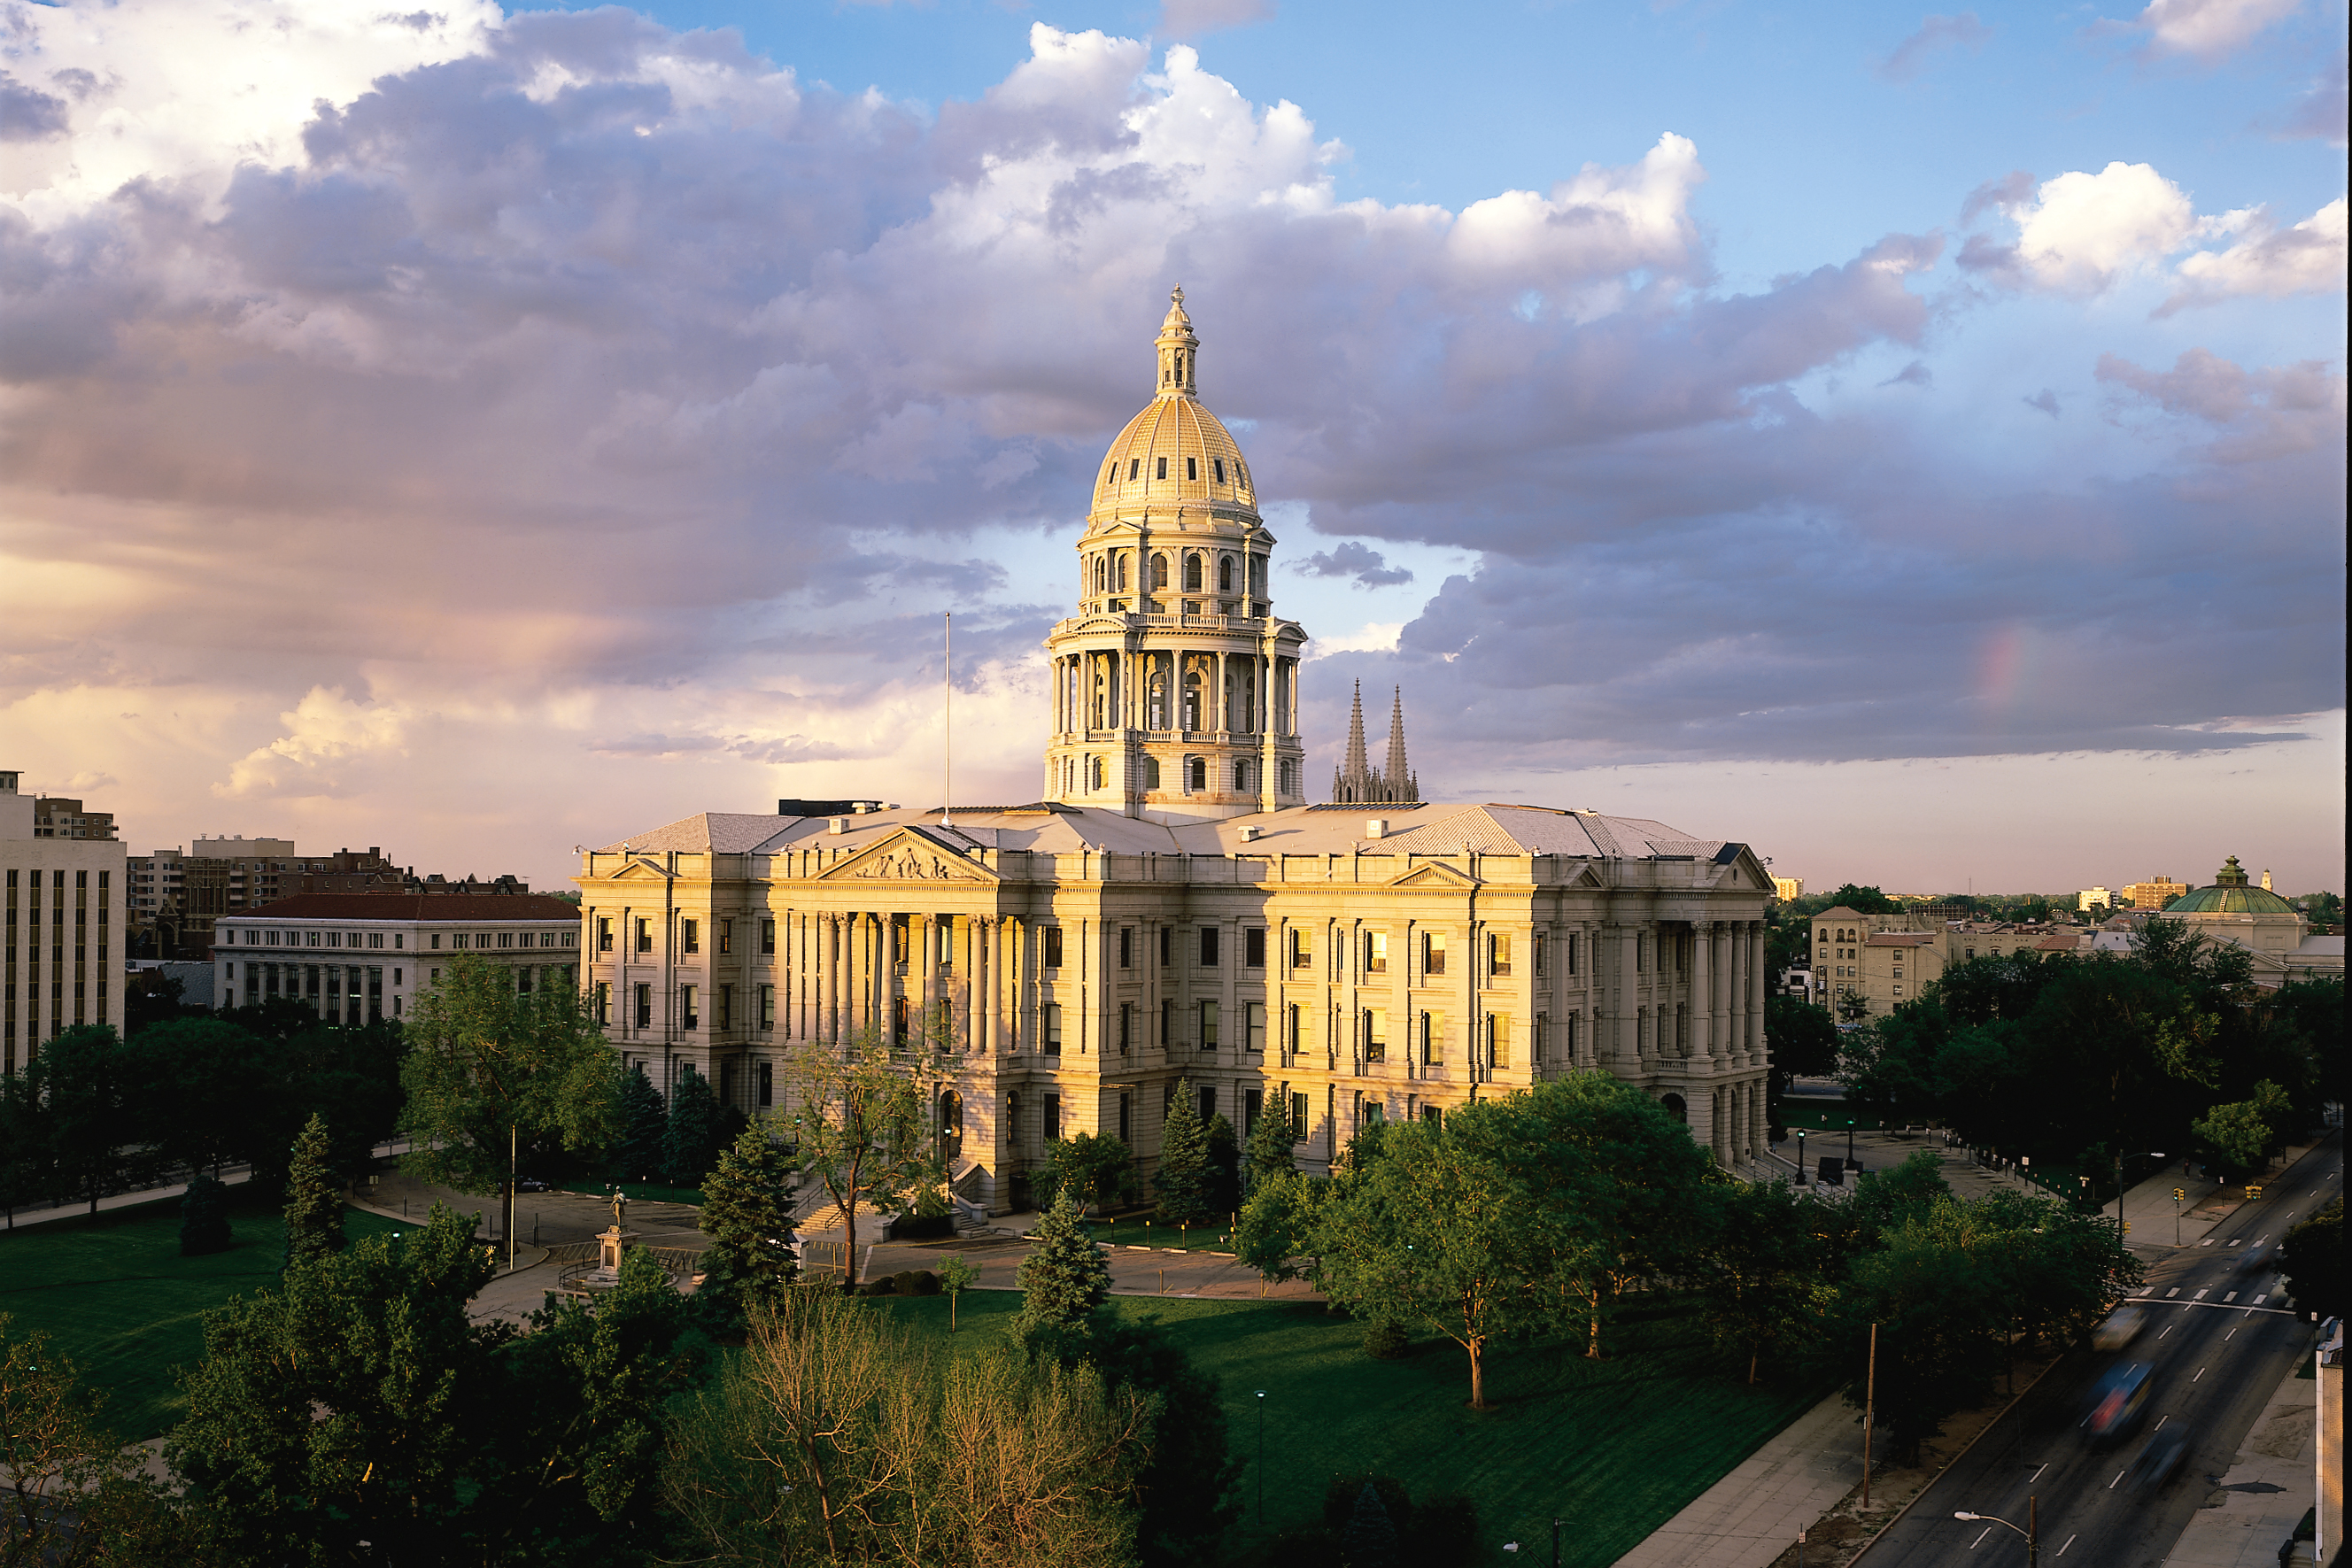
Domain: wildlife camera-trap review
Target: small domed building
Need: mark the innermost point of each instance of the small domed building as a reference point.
(2233, 910)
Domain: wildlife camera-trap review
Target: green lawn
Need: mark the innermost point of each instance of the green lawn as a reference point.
(112, 1291)
(1617, 1447)
(638, 1191)
(1143, 1230)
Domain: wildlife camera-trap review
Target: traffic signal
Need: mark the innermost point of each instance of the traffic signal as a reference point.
(2252, 1192)
(2178, 1193)
(2127, 1227)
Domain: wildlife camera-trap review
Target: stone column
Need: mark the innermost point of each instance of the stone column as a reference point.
(1755, 993)
(926, 978)
(1701, 990)
(1628, 1000)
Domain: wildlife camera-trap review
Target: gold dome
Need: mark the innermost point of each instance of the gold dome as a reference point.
(1175, 449)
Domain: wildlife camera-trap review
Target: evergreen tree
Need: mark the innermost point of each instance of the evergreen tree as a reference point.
(1271, 1147)
(1183, 1178)
(1370, 1540)
(1064, 1280)
(1223, 1190)
(314, 1210)
(204, 1218)
(691, 1140)
(644, 1121)
(747, 1215)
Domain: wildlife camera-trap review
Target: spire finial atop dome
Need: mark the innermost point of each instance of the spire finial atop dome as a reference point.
(1177, 349)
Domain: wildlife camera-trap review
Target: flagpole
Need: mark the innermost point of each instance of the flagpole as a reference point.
(947, 719)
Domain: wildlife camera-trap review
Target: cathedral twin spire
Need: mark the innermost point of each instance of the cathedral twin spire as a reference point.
(1355, 782)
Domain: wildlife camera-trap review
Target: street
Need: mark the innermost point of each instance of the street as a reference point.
(2219, 1344)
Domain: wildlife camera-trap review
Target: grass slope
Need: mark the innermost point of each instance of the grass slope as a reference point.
(112, 1291)
(1616, 1446)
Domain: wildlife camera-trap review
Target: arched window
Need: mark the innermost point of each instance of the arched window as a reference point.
(1196, 770)
(1099, 574)
(1193, 700)
(1119, 581)
(1158, 571)
(1192, 573)
(1180, 370)
(1241, 775)
(1225, 574)
(1094, 772)
(1151, 773)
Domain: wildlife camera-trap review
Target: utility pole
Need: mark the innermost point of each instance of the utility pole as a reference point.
(1869, 1409)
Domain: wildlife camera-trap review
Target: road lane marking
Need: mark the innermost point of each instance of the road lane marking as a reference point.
(1979, 1539)
(2206, 1242)
(2172, 1292)
(2160, 1421)
(2070, 1540)
(2237, 1241)
(2200, 1372)
(2228, 1299)
(2227, 1337)
(2037, 1474)
(2167, 1329)
(2200, 1295)
(2260, 1299)
(2260, 1239)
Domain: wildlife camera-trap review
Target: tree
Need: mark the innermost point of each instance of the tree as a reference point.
(487, 1067)
(835, 1440)
(314, 1208)
(2243, 1132)
(1096, 1167)
(1183, 1178)
(2312, 1258)
(1271, 1148)
(70, 1493)
(1760, 1270)
(860, 1124)
(1223, 1192)
(956, 1277)
(1371, 1539)
(747, 1216)
(1802, 1043)
(1863, 901)
(1064, 1277)
(1278, 1223)
(79, 1088)
(204, 1218)
(207, 1088)
(643, 1121)
(691, 1139)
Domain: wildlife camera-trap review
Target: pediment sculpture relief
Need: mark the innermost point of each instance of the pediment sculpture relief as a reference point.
(908, 866)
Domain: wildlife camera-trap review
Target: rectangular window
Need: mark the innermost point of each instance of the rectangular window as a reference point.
(689, 1010)
(309, 939)
(375, 939)
(645, 1007)
(1432, 953)
(1538, 944)
(482, 940)
(1167, 1023)
(1050, 945)
(1053, 1023)
(335, 939)
(690, 935)
(1254, 947)
(726, 937)
(1540, 1038)
(1167, 936)
(1127, 946)
(768, 938)
(457, 939)
(1376, 1035)
(505, 938)
(1298, 1118)
(1217, 466)
(1291, 1042)
(1208, 946)
(767, 1084)
(1432, 1038)
(1054, 1101)
(1253, 1026)
(1498, 1040)
(726, 1007)
(1160, 472)
(1125, 1026)
(1498, 955)
(1302, 948)
(1376, 952)
(1208, 1105)
(1193, 468)
(645, 935)
(1208, 1026)
(604, 933)
(767, 1008)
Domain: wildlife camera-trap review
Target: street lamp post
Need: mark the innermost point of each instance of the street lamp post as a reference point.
(2030, 1532)
(2143, 1154)
(1555, 1542)
(1849, 1143)
(1261, 1461)
(1801, 1167)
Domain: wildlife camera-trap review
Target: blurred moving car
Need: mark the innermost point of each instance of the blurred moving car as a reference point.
(2121, 1327)
(2117, 1402)
(2160, 1460)
(2257, 1260)
(532, 1184)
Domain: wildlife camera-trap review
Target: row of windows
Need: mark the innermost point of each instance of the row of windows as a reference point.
(1159, 469)
(1096, 773)
(690, 1006)
(690, 934)
(58, 880)
(458, 941)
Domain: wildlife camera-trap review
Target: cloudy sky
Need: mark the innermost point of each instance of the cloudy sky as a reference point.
(1910, 442)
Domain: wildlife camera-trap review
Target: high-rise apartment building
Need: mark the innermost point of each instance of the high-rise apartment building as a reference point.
(60, 950)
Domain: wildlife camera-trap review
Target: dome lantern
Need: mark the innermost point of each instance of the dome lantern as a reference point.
(1178, 351)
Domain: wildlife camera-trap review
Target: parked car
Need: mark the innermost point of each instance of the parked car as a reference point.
(532, 1184)
(2121, 1327)
(2160, 1460)
(2118, 1402)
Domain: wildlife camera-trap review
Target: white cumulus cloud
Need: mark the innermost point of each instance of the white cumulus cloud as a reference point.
(2209, 29)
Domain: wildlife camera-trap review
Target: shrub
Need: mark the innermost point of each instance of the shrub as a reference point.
(1385, 1341)
(914, 1282)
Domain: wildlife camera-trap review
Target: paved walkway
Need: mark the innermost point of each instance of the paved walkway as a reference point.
(2267, 1489)
(1134, 1270)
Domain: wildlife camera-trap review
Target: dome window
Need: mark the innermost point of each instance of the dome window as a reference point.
(1226, 575)
(1158, 571)
(1162, 474)
(1217, 466)
(1110, 475)
(1191, 574)
(1192, 469)
(1134, 466)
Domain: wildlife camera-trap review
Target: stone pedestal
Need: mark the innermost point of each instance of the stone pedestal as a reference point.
(610, 1245)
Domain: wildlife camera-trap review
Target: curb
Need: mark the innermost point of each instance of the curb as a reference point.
(1965, 1449)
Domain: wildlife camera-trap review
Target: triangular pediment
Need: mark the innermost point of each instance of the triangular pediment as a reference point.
(908, 856)
(1588, 876)
(640, 871)
(1434, 875)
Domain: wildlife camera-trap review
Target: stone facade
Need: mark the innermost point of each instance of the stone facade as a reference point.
(1060, 966)
(61, 891)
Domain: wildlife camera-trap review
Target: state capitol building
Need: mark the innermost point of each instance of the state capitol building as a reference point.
(1175, 908)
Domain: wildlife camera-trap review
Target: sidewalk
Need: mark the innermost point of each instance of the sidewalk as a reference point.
(231, 1175)
(1749, 1516)
(2267, 1490)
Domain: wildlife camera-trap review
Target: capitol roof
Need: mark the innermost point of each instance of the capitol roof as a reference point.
(2232, 893)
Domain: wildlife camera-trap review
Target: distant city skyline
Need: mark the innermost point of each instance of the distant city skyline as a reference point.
(1911, 444)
